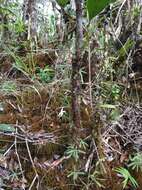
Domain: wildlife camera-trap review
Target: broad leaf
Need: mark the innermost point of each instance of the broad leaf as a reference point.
(94, 7)
(7, 128)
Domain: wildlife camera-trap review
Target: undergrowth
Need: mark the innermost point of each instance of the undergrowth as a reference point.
(40, 148)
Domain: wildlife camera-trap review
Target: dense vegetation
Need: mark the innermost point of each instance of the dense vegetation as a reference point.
(70, 94)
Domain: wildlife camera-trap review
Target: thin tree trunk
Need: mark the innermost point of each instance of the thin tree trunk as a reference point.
(30, 18)
(76, 66)
(4, 21)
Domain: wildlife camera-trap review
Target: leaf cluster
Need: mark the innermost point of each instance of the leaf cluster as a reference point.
(127, 177)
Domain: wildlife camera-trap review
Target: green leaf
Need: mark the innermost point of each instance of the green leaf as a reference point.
(94, 7)
(115, 113)
(126, 47)
(127, 177)
(136, 162)
(63, 3)
(7, 128)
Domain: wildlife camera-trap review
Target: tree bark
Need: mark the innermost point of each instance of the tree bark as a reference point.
(30, 18)
(4, 20)
(76, 66)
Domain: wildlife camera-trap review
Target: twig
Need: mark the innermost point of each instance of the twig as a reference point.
(34, 168)
(18, 157)
(90, 78)
(32, 182)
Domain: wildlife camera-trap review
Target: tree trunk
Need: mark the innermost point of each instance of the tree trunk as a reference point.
(4, 21)
(76, 66)
(30, 18)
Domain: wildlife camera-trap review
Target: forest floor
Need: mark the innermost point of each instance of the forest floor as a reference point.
(39, 146)
(40, 150)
